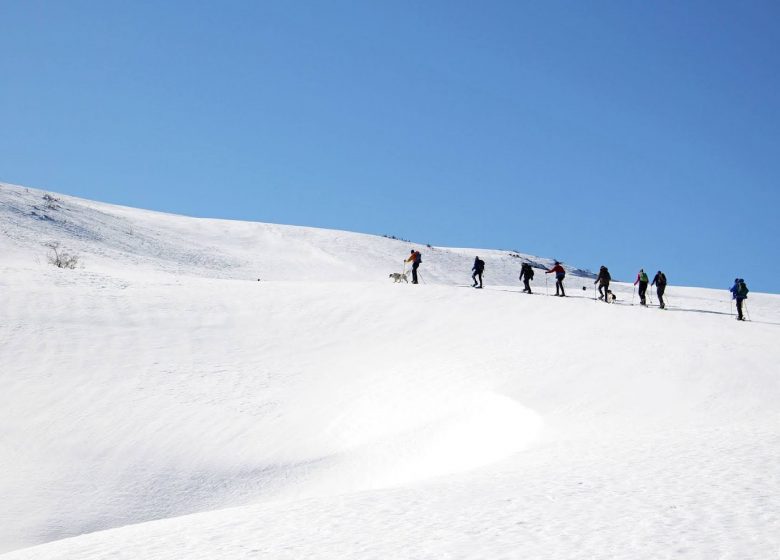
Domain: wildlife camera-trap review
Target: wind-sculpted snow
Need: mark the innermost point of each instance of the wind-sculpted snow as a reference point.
(159, 404)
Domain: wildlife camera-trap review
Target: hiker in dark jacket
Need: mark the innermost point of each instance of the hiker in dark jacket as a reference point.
(641, 279)
(603, 282)
(739, 292)
(415, 258)
(477, 269)
(659, 281)
(560, 274)
(526, 275)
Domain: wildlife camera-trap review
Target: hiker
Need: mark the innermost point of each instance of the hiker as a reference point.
(603, 282)
(560, 274)
(415, 258)
(526, 275)
(641, 279)
(659, 281)
(477, 269)
(739, 292)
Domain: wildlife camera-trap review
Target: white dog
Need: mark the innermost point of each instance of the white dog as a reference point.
(398, 276)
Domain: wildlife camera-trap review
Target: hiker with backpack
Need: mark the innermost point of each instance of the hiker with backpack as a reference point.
(560, 274)
(477, 269)
(659, 281)
(526, 275)
(416, 259)
(642, 280)
(739, 292)
(603, 282)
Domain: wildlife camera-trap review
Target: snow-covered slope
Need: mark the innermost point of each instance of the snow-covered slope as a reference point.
(107, 238)
(159, 402)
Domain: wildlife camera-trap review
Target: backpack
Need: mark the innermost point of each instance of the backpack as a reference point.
(529, 272)
(643, 277)
(661, 279)
(418, 257)
(742, 289)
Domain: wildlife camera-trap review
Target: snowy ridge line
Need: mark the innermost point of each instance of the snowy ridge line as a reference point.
(105, 234)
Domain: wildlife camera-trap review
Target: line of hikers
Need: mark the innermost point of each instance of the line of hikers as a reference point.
(739, 290)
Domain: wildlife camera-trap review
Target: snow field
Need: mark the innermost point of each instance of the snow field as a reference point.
(161, 403)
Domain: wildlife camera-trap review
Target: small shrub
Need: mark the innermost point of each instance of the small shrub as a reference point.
(60, 258)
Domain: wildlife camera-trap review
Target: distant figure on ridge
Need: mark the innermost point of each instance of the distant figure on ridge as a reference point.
(526, 275)
(659, 281)
(739, 292)
(477, 269)
(416, 259)
(603, 282)
(642, 280)
(560, 274)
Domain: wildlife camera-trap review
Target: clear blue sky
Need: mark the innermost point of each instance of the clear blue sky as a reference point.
(625, 133)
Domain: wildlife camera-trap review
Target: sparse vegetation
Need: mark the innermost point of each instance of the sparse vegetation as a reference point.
(396, 238)
(59, 257)
(51, 202)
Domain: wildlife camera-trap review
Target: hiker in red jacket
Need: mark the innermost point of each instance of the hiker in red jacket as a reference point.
(560, 274)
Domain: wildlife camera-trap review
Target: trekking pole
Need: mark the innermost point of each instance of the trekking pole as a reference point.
(594, 293)
(650, 295)
(744, 306)
(633, 294)
(546, 291)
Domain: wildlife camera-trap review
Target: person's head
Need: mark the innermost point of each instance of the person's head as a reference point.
(556, 262)
(411, 252)
(641, 270)
(736, 279)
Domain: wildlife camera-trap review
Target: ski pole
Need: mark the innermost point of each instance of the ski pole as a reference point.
(744, 306)
(594, 293)
(633, 294)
